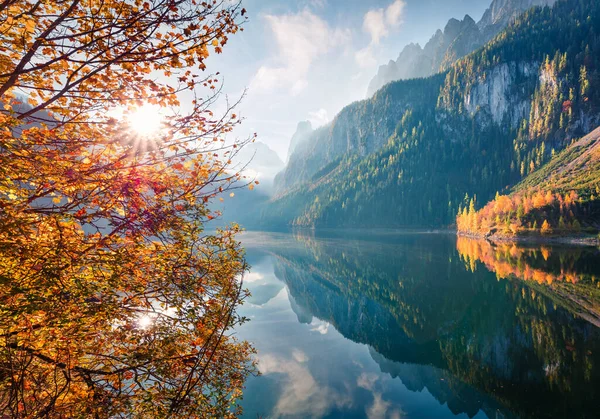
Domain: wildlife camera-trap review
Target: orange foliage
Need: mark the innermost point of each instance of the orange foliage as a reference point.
(507, 213)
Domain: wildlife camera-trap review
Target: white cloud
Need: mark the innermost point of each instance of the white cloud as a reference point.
(318, 118)
(317, 4)
(397, 414)
(357, 76)
(393, 14)
(378, 23)
(253, 276)
(374, 24)
(380, 408)
(301, 38)
(299, 86)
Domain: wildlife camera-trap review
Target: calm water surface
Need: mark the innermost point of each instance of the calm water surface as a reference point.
(420, 326)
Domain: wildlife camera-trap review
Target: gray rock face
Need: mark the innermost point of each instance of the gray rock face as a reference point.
(497, 94)
(459, 38)
(306, 159)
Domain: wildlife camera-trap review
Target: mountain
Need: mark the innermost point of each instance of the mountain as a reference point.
(410, 154)
(303, 130)
(361, 128)
(459, 38)
(259, 161)
(502, 12)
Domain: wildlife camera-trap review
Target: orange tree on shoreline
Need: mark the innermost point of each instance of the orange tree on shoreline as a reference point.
(539, 211)
(114, 300)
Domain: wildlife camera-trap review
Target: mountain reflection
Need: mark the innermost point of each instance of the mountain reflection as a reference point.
(435, 320)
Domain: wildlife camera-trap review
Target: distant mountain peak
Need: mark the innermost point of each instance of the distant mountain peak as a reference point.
(502, 12)
(259, 157)
(303, 129)
(453, 27)
(468, 19)
(459, 38)
(408, 50)
(303, 126)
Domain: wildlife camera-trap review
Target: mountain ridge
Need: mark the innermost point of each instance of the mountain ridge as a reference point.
(459, 38)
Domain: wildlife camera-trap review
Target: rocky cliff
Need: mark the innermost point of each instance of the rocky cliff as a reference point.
(500, 95)
(501, 92)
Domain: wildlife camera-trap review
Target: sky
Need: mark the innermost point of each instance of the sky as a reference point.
(306, 59)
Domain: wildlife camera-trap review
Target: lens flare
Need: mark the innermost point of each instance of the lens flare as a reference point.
(146, 120)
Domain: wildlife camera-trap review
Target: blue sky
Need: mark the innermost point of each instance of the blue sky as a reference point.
(307, 59)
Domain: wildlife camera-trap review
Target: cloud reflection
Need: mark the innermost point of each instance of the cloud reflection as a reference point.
(320, 326)
(302, 395)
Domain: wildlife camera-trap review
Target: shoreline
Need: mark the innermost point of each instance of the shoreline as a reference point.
(581, 240)
(578, 240)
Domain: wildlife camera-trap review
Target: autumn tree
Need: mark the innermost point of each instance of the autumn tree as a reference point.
(114, 299)
(546, 229)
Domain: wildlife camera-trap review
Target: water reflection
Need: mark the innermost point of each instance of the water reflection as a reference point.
(568, 274)
(407, 326)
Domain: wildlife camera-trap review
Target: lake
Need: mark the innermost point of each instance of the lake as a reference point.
(420, 325)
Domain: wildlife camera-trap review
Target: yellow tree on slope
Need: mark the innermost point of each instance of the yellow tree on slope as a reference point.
(114, 301)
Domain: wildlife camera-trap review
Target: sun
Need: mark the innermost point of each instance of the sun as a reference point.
(145, 321)
(146, 120)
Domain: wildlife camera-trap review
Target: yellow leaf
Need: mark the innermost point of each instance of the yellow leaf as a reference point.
(251, 186)
(30, 25)
(56, 200)
(231, 194)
